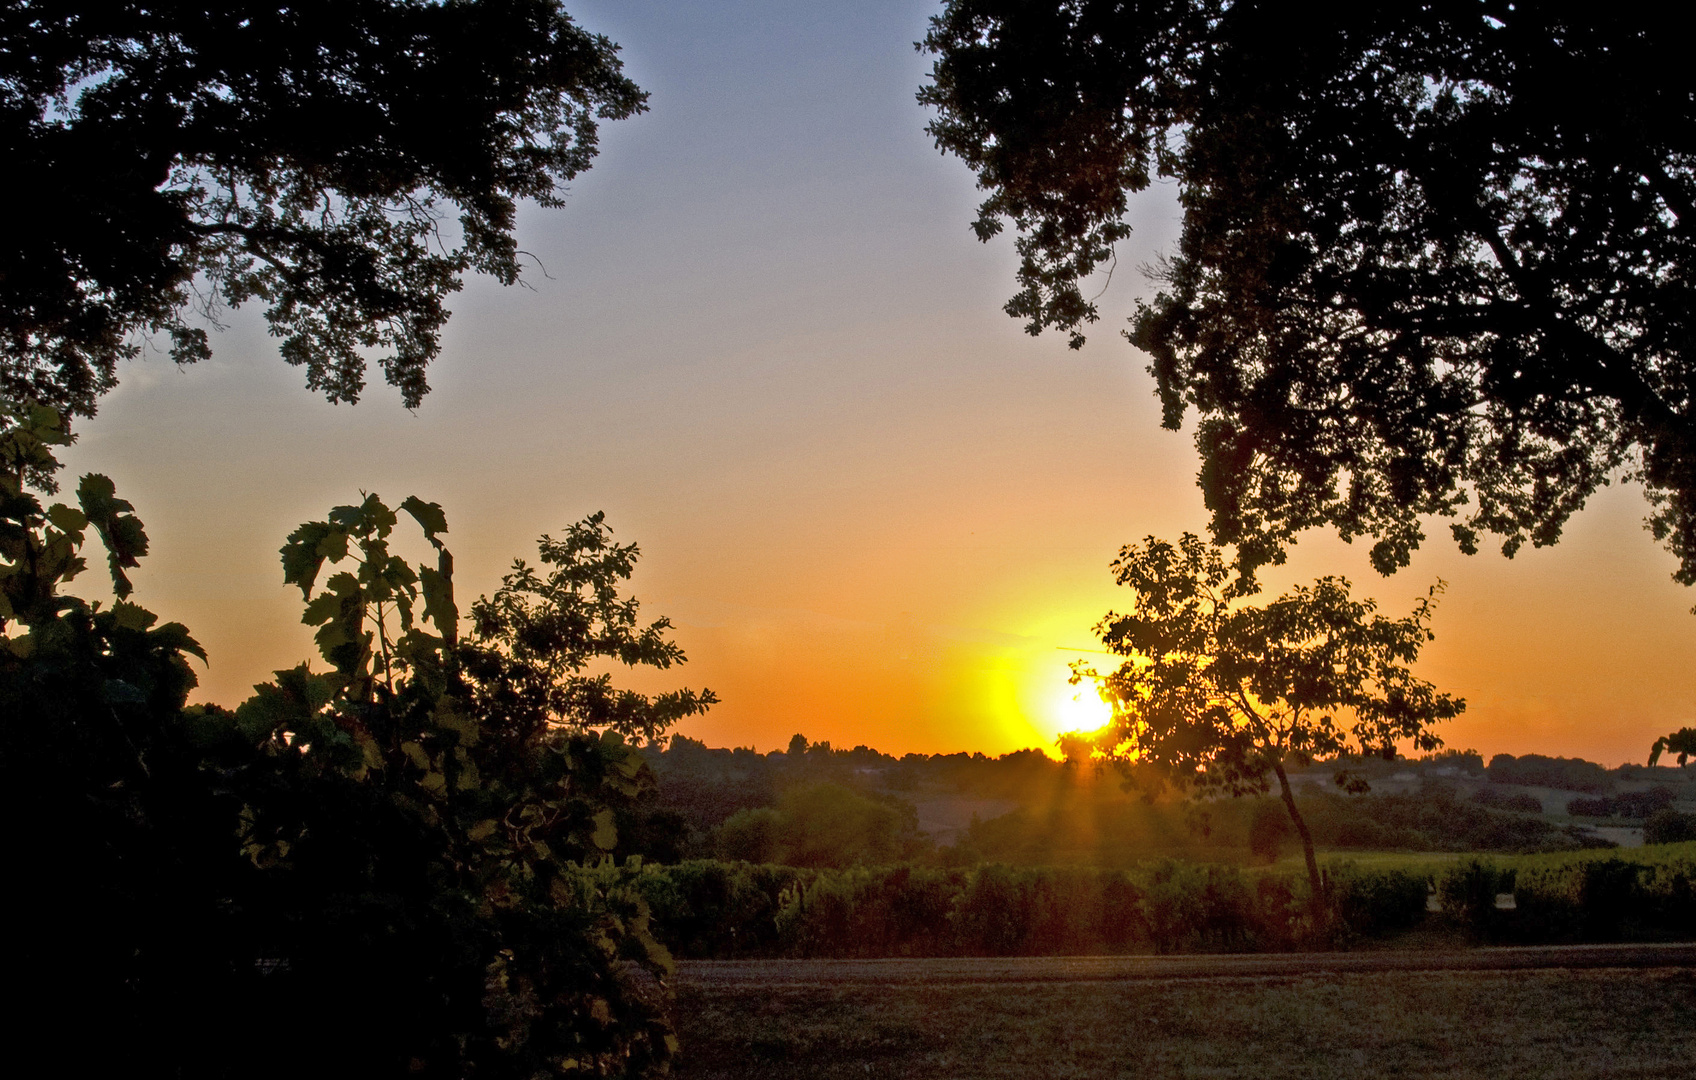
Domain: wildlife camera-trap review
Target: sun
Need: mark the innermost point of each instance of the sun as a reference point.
(1080, 708)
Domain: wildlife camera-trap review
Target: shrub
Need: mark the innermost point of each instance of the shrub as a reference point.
(1598, 808)
(1667, 901)
(1197, 905)
(1668, 826)
(1643, 804)
(750, 835)
(881, 911)
(989, 916)
(1371, 903)
(1519, 801)
(1586, 900)
(1467, 893)
(710, 909)
(1630, 804)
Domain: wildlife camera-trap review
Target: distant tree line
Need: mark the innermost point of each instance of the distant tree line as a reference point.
(816, 806)
(1536, 770)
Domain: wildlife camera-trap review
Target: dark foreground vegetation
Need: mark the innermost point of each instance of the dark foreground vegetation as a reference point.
(414, 843)
(717, 910)
(1556, 1025)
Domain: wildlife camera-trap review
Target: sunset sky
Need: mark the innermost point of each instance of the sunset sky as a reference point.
(763, 339)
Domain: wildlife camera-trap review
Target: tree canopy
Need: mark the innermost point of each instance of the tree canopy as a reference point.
(166, 157)
(1216, 694)
(1437, 257)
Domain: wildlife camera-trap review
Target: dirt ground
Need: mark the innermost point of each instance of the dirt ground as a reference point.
(1543, 1013)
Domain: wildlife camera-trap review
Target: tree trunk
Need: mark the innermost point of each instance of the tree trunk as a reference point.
(1306, 839)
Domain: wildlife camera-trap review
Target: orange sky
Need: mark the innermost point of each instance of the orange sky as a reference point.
(768, 346)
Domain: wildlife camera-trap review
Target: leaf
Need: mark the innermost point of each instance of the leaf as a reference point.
(369, 518)
(439, 606)
(208, 726)
(325, 607)
(429, 516)
(132, 616)
(605, 835)
(415, 753)
(303, 554)
(67, 519)
(468, 778)
(314, 690)
(449, 718)
(120, 530)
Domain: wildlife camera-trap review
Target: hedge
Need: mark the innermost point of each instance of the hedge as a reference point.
(717, 910)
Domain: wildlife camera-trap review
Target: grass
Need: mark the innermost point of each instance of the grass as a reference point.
(1555, 1024)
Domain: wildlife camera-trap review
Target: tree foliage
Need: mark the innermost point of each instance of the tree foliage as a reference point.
(1216, 694)
(461, 825)
(398, 857)
(1681, 742)
(169, 156)
(1436, 257)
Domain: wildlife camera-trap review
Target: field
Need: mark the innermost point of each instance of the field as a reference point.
(1216, 1017)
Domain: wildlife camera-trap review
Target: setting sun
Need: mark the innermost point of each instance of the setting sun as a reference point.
(1080, 708)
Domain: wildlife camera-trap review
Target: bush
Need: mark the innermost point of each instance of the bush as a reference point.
(1372, 903)
(1643, 804)
(1668, 826)
(1503, 800)
(710, 909)
(883, 911)
(1598, 808)
(1630, 804)
(1590, 900)
(750, 835)
(1467, 893)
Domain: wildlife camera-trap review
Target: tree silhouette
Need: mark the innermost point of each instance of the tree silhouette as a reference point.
(1437, 258)
(1216, 695)
(345, 163)
(1681, 742)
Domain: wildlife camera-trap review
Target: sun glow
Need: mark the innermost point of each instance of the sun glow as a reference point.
(1080, 708)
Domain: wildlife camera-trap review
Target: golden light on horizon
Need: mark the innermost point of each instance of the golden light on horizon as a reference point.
(1044, 705)
(1081, 709)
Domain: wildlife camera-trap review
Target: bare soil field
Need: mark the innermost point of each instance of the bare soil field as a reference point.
(1588, 1011)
